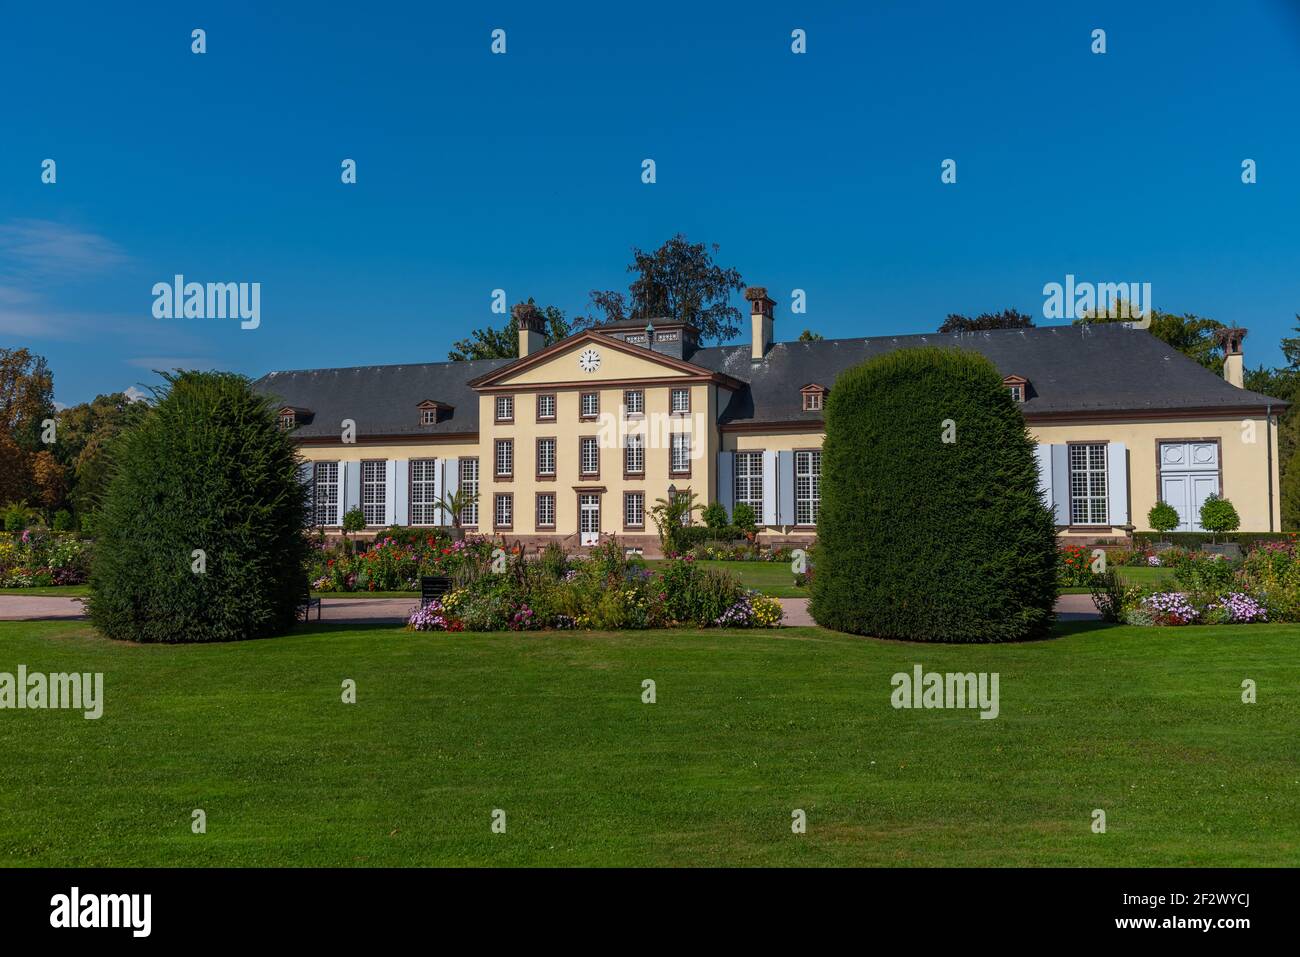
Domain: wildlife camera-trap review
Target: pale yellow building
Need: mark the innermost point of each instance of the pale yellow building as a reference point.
(576, 441)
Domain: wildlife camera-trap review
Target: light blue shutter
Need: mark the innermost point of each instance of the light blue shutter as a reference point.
(402, 492)
(449, 485)
(785, 488)
(726, 480)
(1117, 482)
(350, 498)
(1061, 483)
(306, 473)
(1043, 456)
(769, 488)
(390, 491)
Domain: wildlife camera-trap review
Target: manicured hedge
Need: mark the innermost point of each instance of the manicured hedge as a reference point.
(924, 539)
(1246, 540)
(206, 468)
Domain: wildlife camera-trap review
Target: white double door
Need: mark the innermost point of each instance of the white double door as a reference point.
(1189, 474)
(589, 519)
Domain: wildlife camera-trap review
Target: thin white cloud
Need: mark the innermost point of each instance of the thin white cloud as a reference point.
(36, 249)
(135, 393)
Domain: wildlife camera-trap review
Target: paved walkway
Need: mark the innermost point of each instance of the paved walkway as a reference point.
(369, 610)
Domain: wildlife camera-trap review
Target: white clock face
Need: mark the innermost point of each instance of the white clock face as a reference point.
(589, 360)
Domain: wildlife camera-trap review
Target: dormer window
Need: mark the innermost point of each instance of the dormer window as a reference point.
(290, 417)
(814, 397)
(1018, 386)
(431, 412)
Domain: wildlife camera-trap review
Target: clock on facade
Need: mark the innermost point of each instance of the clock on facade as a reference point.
(589, 360)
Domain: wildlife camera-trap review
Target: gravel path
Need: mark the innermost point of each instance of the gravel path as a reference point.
(369, 610)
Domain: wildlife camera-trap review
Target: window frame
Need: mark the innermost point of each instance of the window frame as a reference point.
(628, 411)
(367, 485)
(672, 404)
(628, 497)
(748, 456)
(1092, 495)
(315, 496)
(582, 446)
(497, 499)
(538, 524)
(673, 472)
(552, 475)
(583, 415)
(814, 497)
(628, 448)
(497, 446)
(497, 418)
(412, 504)
(462, 467)
(555, 406)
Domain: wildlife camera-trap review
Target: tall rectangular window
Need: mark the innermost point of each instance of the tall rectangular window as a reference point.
(679, 457)
(749, 480)
(545, 509)
(325, 480)
(589, 456)
(1088, 484)
(546, 458)
(634, 509)
(634, 454)
(680, 401)
(634, 401)
(505, 458)
(590, 405)
(807, 486)
(374, 490)
(505, 510)
(469, 485)
(505, 408)
(424, 499)
(546, 407)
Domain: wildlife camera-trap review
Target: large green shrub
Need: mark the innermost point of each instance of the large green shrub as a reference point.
(206, 469)
(931, 527)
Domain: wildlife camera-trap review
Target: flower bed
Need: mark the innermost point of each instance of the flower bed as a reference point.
(1213, 589)
(37, 558)
(396, 561)
(604, 591)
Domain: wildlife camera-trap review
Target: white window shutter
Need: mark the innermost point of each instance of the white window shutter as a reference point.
(1117, 482)
(769, 488)
(350, 498)
(402, 492)
(390, 492)
(785, 488)
(726, 480)
(440, 517)
(1061, 483)
(1043, 456)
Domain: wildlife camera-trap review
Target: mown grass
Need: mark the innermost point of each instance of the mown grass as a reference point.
(1147, 725)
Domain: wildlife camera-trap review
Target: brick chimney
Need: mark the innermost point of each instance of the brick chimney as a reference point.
(532, 335)
(1234, 367)
(760, 318)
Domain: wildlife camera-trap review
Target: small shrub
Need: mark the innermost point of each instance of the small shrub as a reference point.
(1218, 515)
(744, 518)
(715, 516)
(1163, 517)
(63, 520)
(1108, 595)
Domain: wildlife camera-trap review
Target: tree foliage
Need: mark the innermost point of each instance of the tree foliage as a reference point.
(681, 281)
(1006, 319)
(201, 533)
(503, 343)
(931, 526)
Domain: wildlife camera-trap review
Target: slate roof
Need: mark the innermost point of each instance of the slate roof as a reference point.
(1105, 368)
(381, 399)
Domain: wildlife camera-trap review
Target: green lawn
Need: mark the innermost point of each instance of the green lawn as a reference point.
(1145, 724)
(770, 578)
(50, 591)
(1135, 575)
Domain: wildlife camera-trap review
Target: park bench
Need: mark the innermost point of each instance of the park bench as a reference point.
(433, 587)
(306, 603)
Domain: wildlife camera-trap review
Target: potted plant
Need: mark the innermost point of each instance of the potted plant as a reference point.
(1219, 515)
(454, 505)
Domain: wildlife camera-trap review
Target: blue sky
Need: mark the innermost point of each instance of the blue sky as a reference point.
(523, 172)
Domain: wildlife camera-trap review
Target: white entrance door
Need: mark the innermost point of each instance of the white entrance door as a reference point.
(589, 519)
(1189, 474)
